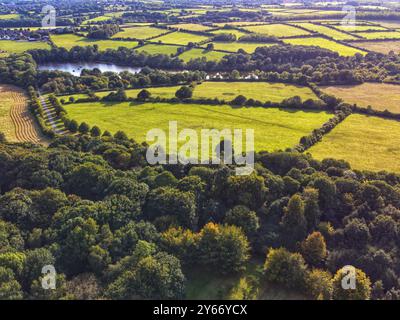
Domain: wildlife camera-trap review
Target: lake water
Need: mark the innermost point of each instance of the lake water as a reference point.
(76, 68)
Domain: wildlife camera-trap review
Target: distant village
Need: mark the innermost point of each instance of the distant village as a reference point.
(26, 34)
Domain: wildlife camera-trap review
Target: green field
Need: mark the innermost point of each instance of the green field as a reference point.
(368, 143)
(97, 19)
(355, 28)
(237, 33)
(274, 129)
(11, 46)
(9, 16)
(140, 33)
(190, 27)
(227, 91)
(200, 53)
(233, 47)
(69, 41)
(158, 49)
(277, 30)
(181, 38)
(380, 35)
(326, 44)
(329, 32)
(380, 96)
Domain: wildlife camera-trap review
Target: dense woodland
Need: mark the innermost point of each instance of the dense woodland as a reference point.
(116, 228)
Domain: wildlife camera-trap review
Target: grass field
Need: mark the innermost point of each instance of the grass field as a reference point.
(274, 129)
(277, 30)
(70, 40)
(380, 96)
(97, 19)
(233, 47)
(326, 44)
(262, 91)
(237, 33)
(380, 46)
(190, 27)
(140, 33)
(334, 34)
(181, 38)
(355, 28)
(158, 49)
(9, 16)
(389, 24)
(368, 143)
(380, 35)
(11, 46)
(200, 53)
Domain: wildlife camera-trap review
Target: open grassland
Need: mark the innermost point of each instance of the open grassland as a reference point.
(140, 33)
(277, 30)
(11, 46)
(200, 53)
(356, 28)
(379, 96)
(190, 27)
(70, 40)
(274, 129)
(326, 44)
(16, 122)
(368, 143)
(158, 49)
(97, 20)
(237, 33)
(389, 24)
(236, 23)
(233, 47)
(263, 91)
(329, 32)
(380, 35)
(181, 38)
(380, 46)
(9, 16)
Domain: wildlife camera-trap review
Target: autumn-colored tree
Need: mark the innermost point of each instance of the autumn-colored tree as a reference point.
(313, 248)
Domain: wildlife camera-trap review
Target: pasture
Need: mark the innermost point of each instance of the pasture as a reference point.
(380, 35)
(380, 96)
(357, 28)
(380, 46)
(263, 91)
(237, 33)
(329, 32)
(158, 49)
(181, 38)
(69, 41)
(190, 27)
(277, 30)
(9, 16)
(326, 44)
(140, 33)
(367, 143)
(11, 46)
(248, 47)
(274, 129)
(200, 53)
